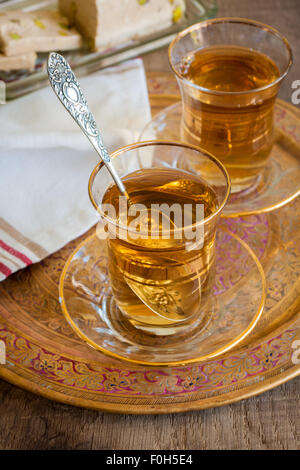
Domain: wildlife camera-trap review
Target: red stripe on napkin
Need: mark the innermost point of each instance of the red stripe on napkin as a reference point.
(4, 269)
(15, 253)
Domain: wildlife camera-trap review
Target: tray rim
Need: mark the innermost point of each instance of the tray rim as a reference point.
(154, 409)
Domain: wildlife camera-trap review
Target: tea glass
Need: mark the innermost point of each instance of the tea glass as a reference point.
(235, 126)
(161, 279)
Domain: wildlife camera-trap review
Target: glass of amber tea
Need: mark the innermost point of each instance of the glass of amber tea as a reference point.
(161, 241)
(229, 71)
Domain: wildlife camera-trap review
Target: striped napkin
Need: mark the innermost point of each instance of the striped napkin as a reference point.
(45, 162)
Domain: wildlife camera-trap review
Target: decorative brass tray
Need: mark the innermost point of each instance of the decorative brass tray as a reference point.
(46, 357)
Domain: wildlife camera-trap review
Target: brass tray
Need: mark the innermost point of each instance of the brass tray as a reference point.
(45, 357)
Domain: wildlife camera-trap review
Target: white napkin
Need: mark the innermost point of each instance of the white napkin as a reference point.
(45, 162)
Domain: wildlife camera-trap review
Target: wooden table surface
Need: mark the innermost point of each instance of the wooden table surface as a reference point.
(268, 421)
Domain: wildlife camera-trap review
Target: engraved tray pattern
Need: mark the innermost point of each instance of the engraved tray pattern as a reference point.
(45, 357)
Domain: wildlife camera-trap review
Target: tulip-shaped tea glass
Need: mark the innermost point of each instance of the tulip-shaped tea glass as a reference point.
(160, 281)
(161, 243)
(229, 71)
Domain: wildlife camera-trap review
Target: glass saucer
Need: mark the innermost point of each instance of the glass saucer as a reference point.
(279, 182)
(236, 305)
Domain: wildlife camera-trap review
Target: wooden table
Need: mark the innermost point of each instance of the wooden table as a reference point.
(269, 421)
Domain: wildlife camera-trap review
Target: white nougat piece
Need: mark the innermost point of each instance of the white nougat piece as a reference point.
(39, 31)
(108, 23)
(17, 62)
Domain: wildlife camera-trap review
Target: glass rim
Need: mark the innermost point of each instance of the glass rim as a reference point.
(233, 20)
(153, 143)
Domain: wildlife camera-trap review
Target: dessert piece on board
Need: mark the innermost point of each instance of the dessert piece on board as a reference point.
(17, 62)
(108, 23)
(39, 31)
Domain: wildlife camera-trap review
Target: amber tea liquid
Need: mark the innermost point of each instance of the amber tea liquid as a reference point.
(235, 126)
(158, 283)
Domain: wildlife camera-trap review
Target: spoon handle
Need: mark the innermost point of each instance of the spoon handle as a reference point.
(67, 89)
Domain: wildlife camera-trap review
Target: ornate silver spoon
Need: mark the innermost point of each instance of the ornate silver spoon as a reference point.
(67, 89)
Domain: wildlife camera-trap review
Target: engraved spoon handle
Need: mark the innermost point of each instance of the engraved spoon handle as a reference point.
(67, 89)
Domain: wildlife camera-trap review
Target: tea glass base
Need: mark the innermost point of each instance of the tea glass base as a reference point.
(245, 185)
(207, 319)
(234, 308)
(279, 181)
